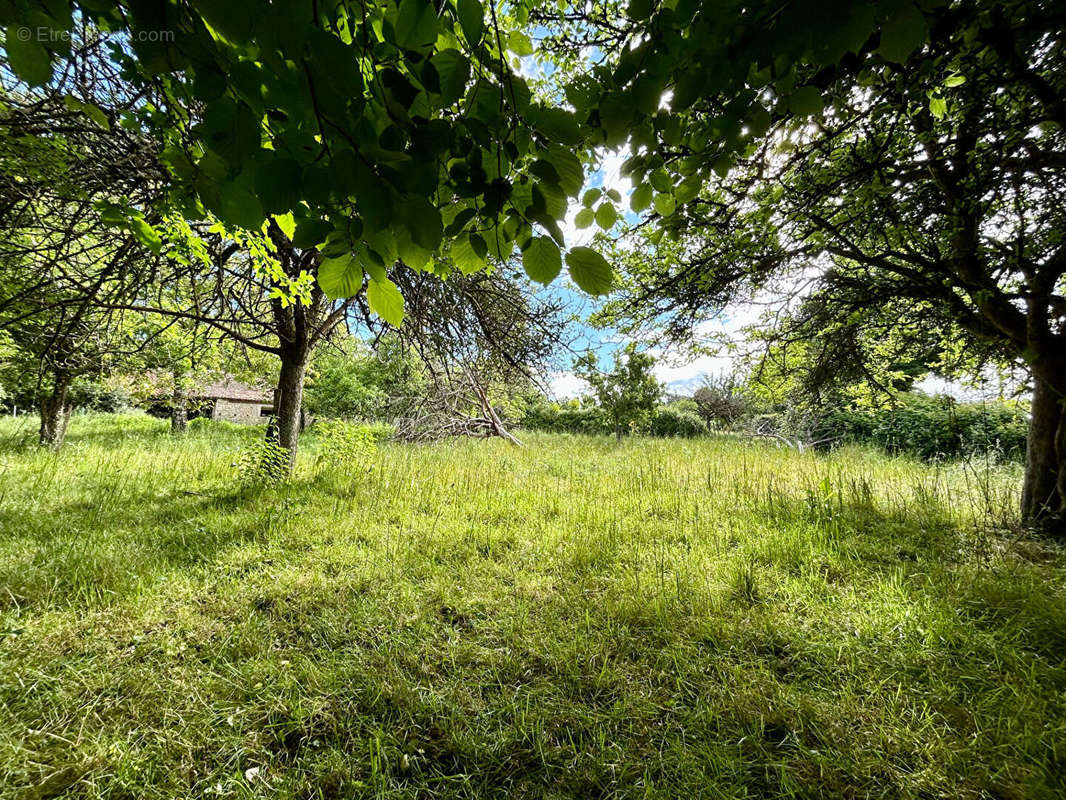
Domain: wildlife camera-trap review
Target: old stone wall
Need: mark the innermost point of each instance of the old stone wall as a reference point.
(246, 412)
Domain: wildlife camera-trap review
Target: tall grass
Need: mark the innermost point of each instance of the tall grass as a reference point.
(577, 618)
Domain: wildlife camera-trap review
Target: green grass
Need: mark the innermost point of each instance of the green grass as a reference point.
(575, 619)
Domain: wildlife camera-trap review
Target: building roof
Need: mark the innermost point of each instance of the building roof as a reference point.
(230, 389)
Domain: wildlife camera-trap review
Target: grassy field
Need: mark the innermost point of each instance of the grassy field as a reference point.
(575, 619)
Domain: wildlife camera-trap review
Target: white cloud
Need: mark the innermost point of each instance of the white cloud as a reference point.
(564, 385)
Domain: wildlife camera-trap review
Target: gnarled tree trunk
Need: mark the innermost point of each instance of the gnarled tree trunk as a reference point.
(1044, 489)
(55, 409)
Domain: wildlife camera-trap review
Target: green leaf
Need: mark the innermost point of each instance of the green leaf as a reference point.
(585, 217)
(640, 9)
(568, 166)
(423, 220)
(606, 216)
(590, 270)
(557, 124)
(806, 101)
(665, 204)
(472, 19)
(416, 25)
(955, 80)
(660, 180)
(519, 44)
(454, 71)
(590, 197)
(688, 189)
(340, 277)
(468, 253)
(287, 224)
(938, 106)
(386, 301)
(146, 234)
(641, 197)
(310, 233)
(542, 260)
(240, 207)
(278, 183)
(903, 33)
(28, 58)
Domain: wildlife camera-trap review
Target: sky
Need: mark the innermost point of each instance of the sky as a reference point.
(680, 373)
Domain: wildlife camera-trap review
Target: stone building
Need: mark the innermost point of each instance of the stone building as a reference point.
(234, 401)
(226, 399)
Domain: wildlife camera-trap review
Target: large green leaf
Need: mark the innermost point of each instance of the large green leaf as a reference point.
(665, 204)
(386, 301)
(468, 253)
(423, 220)
(606, 216)
(568, 167)
(340, 277)
(903, 33)
(278, 183)
(416, 25)
(585, 217)
(542, 260)
(557, 124)
(27, 57)
(472, 18)
(240, 207)
(453, 71)
(641, 197)
(590, 270)
(806, 101)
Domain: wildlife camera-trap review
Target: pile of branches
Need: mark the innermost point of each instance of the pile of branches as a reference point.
(458, 406)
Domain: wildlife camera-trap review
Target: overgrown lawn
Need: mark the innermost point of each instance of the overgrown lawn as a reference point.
(575, 619)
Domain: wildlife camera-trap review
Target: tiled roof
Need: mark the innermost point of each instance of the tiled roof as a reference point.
(229, 389)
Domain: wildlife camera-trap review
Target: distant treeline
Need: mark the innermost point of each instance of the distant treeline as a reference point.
(917, 424)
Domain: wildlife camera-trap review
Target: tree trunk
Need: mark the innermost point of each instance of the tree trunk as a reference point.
(55, 410)
(288, 401)
(1044, 488)
(179, 411)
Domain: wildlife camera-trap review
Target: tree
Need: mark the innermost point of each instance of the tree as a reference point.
(628, 393)
(901, 167)
(74, 188)
(389, 129)
(350, 380)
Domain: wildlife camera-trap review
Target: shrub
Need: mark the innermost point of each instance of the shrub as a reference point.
(542, 415)
(931, 427)
(676, 420)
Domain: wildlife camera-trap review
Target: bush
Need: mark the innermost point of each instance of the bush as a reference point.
(722, 402)
(676, 419)
(931, 427)
(573, 417)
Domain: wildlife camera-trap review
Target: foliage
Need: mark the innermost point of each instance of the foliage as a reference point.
(652, 619)
(571, 417)
(679, 418)
(350, 381)
(380, 130)
(342, 445)
(931, 427)
(628, 393)
(263, 463)
(723, 402)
